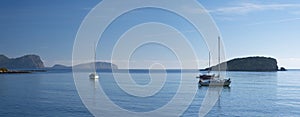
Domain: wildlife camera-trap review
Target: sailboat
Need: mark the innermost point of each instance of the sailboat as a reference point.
(213, 80)
(94, 75)
(208, 75)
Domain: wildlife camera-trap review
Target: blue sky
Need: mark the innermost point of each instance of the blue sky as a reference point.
(249, 28)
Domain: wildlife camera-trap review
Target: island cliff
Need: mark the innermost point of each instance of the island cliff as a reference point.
(249, 64)
(34, 62)
(24, 62)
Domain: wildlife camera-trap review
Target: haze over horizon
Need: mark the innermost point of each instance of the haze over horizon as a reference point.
(249, 28)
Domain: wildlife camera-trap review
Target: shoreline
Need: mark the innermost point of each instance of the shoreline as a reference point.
(16, 72)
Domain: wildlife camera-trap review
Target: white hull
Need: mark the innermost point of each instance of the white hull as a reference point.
(215, 82)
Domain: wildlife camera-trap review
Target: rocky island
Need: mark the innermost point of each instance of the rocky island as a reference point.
(24, 62)
(29, 62)
(33, 63)
(263, 64)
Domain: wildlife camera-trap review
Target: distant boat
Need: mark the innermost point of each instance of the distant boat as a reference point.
(94, 75)
(214, 80)
(208, 75)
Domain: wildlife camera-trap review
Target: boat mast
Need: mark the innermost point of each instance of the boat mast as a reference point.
(95, 58)
(209, 62)
(219, 65)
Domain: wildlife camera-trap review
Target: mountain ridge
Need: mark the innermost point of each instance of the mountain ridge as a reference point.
(30, 61)
(90, 65)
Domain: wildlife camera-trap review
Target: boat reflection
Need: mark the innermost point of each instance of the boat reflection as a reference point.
(224, 89)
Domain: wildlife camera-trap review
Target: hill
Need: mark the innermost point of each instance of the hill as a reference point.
(249, 64)
(24, 62)
(35, 62)
(99, 65)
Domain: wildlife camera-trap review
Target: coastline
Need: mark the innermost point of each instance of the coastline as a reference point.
(15, 72)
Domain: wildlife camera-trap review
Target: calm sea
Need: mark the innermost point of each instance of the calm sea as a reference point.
(54, 94)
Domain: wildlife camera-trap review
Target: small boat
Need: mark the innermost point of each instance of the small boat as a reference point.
(94, 75)
(208, 75)
(215, 82)
(212, 79)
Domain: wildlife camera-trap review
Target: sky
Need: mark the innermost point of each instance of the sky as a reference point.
(248, 28)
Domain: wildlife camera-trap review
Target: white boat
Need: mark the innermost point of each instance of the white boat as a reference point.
(94, 75)
(213, 80)
(208, 75)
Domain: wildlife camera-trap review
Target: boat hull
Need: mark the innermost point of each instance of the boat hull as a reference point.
(206, 77)
(215, 83)
(94, 76)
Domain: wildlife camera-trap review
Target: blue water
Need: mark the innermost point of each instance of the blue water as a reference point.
(55, 94)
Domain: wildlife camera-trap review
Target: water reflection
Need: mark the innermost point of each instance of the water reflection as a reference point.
(288, 91)
(224, 89)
